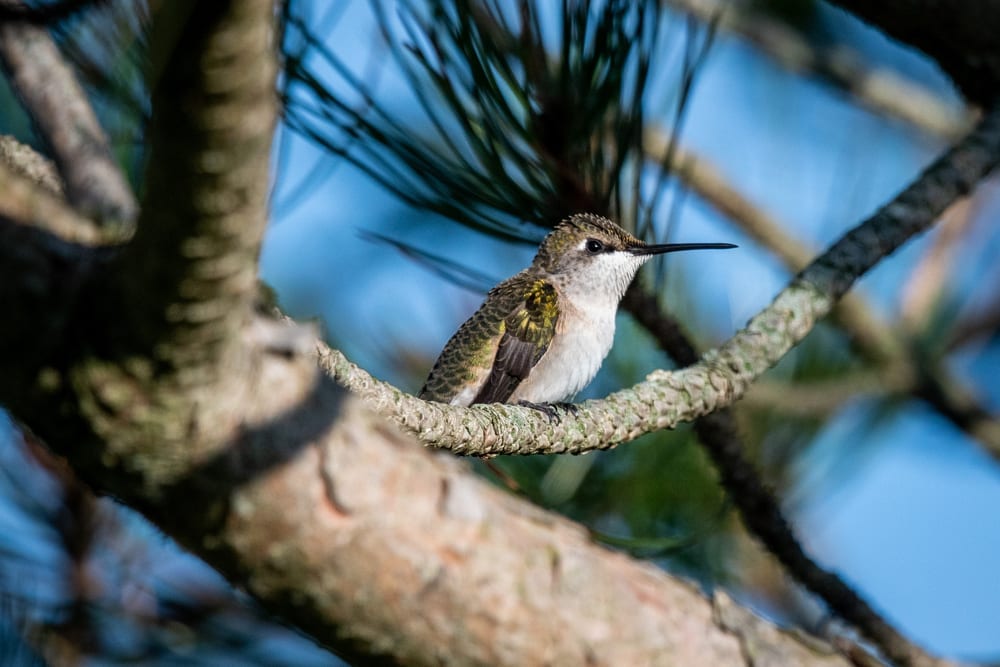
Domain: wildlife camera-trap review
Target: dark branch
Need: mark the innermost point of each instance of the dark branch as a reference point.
(719, 435)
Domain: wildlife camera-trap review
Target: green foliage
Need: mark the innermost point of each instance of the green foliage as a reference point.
(528, 116)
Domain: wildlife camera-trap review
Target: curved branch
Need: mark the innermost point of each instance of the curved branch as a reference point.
(723, 375)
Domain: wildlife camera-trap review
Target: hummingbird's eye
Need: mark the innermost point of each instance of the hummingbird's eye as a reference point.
(594, 246)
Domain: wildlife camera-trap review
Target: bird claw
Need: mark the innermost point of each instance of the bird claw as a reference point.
(551, 410)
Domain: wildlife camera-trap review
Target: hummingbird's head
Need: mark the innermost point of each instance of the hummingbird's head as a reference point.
(590, 254)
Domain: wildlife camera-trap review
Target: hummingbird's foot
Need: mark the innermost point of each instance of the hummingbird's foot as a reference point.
(571, 408)
(550, 410)
(546, 409)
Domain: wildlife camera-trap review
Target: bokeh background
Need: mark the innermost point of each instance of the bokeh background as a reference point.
(390, 255)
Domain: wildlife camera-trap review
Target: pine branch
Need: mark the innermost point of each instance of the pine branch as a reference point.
(722, 375)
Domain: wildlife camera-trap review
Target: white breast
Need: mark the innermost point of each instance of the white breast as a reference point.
(584, 336)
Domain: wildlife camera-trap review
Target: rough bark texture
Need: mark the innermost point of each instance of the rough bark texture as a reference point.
(412, 559)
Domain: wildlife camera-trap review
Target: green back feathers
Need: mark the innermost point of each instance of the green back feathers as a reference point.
(529, 329)
(513, 326)
(535, 321)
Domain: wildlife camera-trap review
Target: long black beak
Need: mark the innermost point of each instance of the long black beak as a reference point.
(661, 248)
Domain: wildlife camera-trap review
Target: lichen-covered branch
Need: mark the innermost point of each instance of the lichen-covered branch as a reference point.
(723, 375)
(874, 339)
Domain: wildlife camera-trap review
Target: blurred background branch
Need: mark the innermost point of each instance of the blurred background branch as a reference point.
(58, 106)
(837, 65)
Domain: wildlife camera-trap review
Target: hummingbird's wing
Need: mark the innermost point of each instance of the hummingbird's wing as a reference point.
(493, 350)
(527, 332)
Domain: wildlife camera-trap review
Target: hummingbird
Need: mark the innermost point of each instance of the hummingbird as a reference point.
(541, 335)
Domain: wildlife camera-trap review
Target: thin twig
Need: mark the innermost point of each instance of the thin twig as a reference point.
(821, 398)
(984, 323)
(926, 283)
